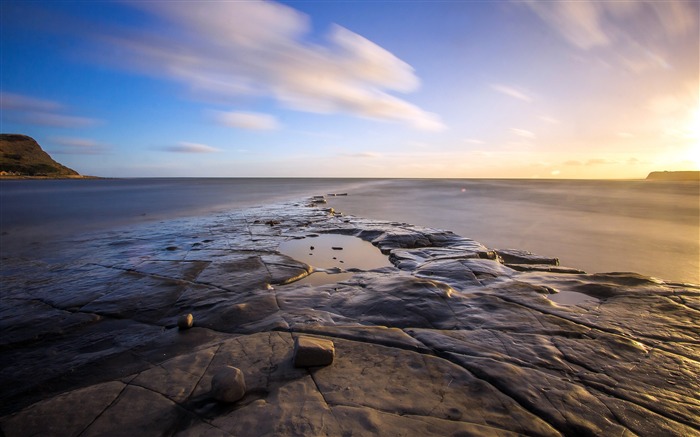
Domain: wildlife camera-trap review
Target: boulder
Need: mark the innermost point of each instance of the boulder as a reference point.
(311, 351)
(228, 384)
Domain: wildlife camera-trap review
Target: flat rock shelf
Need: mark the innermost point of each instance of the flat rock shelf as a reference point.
(447, 338)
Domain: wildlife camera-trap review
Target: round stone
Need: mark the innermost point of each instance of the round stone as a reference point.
(185, 321)
(228, 384)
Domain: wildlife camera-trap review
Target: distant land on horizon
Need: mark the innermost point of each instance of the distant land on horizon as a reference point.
(22, 157)
(674, 176)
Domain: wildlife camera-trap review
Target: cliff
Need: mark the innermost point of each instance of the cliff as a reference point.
(21, 155)
(674, 176)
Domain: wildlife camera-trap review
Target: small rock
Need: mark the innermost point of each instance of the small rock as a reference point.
(513, 256)
(228, 384)
(185, 321)
(311, 351)
(336, 248)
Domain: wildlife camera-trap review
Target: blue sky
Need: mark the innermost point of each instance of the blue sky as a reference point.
(522, 89)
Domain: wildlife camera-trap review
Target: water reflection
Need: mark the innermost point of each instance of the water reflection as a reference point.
(333, 255)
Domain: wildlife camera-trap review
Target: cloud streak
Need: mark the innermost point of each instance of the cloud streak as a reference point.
(229, 49)
(589, 25)
(195, 148)
(40, 112)
(511, 92)
(247, 120)
(370, 155)
(19, 102)
(523, 133)
(78, 146)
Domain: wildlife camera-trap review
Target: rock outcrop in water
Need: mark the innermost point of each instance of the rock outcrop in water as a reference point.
(447, 341)
(21, 155)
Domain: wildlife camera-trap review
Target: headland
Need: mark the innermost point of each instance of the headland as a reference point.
(674, 176)
(21, 157)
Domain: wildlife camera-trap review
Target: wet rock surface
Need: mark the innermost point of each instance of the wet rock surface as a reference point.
(451, 339)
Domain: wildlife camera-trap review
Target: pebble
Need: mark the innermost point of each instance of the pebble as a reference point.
(185, 321)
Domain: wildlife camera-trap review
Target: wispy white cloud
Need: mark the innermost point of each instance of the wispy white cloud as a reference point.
(247, 120)
(548, 119)
(474, 141)
(599, 161)
(77, 146)
(259, 49)
(580, 22)
(36, 111)
(637, 32)
(19, 102)
(512, 91)
(523, 133)
(186, 147)
(56, 120)
(372, 155)
(76, 142)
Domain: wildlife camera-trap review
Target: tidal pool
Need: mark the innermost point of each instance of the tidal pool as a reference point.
(331, 255)
(570, 298)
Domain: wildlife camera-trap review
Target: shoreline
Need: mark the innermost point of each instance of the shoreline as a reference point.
(45, 178)
(449, 338)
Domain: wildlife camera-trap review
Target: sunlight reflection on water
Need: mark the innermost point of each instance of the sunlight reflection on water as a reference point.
(597, 226)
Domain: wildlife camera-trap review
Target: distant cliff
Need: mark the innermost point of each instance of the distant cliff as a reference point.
(674, 176)
(20, 156)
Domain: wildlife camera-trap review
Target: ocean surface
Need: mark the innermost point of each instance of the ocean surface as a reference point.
(652, 228)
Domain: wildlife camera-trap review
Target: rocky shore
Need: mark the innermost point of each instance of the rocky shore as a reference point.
(450, 338)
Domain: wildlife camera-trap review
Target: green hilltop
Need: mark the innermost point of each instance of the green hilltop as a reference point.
(21, 156)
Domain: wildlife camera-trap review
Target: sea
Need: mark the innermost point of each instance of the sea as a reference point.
(647, 227)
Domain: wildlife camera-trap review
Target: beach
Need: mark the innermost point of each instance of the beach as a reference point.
(432, 332)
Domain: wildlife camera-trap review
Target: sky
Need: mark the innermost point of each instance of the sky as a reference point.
(364, 88)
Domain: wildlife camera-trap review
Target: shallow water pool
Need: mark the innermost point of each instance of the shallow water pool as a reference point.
(331, 255)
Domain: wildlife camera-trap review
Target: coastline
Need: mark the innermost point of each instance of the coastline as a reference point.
(453, 337)
(43, 178)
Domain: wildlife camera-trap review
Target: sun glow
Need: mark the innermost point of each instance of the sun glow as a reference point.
(692, 132)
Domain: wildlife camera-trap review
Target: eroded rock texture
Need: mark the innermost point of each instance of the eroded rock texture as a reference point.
(455, 339)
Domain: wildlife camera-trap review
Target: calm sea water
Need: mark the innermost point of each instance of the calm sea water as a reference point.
(640, 226)
(599, 226)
